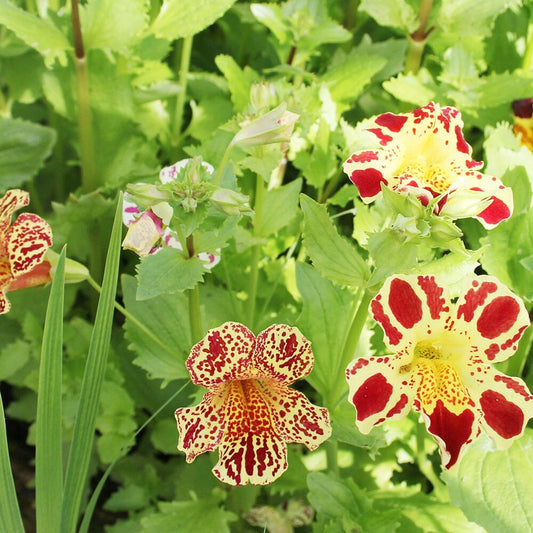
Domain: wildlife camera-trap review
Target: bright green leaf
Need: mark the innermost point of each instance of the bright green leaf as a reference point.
(239, 80)
(395, 13)
(279, 208)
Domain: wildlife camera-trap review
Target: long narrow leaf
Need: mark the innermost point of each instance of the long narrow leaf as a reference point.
(49, 445)
(10, 518)
(83, 437)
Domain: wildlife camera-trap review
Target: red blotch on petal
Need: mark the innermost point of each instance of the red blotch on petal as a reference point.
(372, 396)
(462, 145)
(515, 386)
(495, 212)
(397, 409)
(363, 157)
(368, 182)
(384, 139)
(404, 303)
(379, 315)
(433, 292)
(454, 430)
(391, 121)
(474, 298)
(504, 417)
(498, 317)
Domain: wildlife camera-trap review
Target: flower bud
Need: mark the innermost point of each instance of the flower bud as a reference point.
(143, 234)
(231, 202)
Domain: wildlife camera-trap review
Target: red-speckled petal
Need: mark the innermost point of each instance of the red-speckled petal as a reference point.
(224, 354)
(449, 412)
(506, 403)
(251, 450)
(201, 428)
(380, 390)
(5, 280)
(12, 201)
(409, 307)
(294, 417)
(493, 317)
(283, 354)
(27, 240)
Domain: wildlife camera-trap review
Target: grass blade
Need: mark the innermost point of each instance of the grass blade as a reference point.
(83, 437)
(9, 509)
(49, 442)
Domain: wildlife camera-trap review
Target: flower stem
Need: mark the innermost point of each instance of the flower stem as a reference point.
(180, 102)
(256, 248)
(195, 312)
(133, 319)
(84, 107)
(332, 450)
(222, 164)
(417, 41)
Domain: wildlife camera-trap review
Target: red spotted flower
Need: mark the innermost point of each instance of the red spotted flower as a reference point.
(249, 412)
(441, 365)
(22, 246)
(424, 153)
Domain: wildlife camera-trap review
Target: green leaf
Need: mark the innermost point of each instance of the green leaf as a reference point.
(239, 80)
(326, 309)
(9, 507)
(23, 148)
(167, 271)
(183, 18)
(112, 24)
(416, 89)
(49, 441)
(493, 488)
(333, 256)
(40, 34)
(279, 208)
(272, 17)
(395, 13)
(95, 368)
(158, 330)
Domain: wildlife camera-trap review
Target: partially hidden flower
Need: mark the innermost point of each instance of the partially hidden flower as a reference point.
(523, 121)
(424, 153)
(249, 412)
(148, 229)
(441, 362)
(281, 519)
(23, 243)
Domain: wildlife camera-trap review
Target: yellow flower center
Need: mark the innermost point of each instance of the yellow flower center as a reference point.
(434, 176)
(426, 350)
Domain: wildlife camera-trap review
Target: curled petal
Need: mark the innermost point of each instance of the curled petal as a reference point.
(493, 317)
(380, 390)
(283, 354)
(143, 234)
(12, 201)
(5, 280)
(201, 428)
(27, 239)
(224, 354)
(294, 417)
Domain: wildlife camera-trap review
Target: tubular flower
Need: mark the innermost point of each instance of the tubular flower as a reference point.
(22, 243)
(442, 362)
(424, 153)
(249, 412)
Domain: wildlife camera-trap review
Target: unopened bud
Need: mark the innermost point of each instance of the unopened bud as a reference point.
(231, 202)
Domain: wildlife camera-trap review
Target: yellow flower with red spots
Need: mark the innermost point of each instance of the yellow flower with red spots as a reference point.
(441, 365)
(23, 244)
(249, 413)
(424, 153)
(523, 121)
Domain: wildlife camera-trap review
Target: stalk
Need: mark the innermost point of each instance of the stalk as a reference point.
(195, 312)
(222, 164)
(417, 41)
(185, 62)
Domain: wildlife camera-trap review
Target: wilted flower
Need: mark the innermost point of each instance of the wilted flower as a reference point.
(424, 153)
(23, 243)
(441, 365)
(249, 412)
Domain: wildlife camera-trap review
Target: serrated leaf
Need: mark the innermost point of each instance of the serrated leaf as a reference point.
(394, 13)
(416, 89)
(239, 80)
(23, 148)
(182, 18)
(493, 488)
(40, 34)
(332, 255)
(279, 208)
(166, 316)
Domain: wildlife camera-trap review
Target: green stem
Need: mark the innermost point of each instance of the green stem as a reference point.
(195, 312)
(183, 74)
(84, 527)
(222, 164)
(424, 464)
(417, 41)
(256, 248)
(133, 320)
(84, 107)
(527, 63)
(332, 451)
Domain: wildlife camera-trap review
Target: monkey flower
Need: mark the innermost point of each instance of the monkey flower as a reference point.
(249, 412)
(441, 362)
(424, 153)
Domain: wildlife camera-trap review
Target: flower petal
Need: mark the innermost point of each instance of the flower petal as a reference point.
(143, 234)
(506, 403)
(294, 417)
(224, 354)
(379, 390)
(201, 428)
(27, 239)
(170, 173)
(5, 280)
(493, 316)
(283, 354)
(12, 201)
(130, 210)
